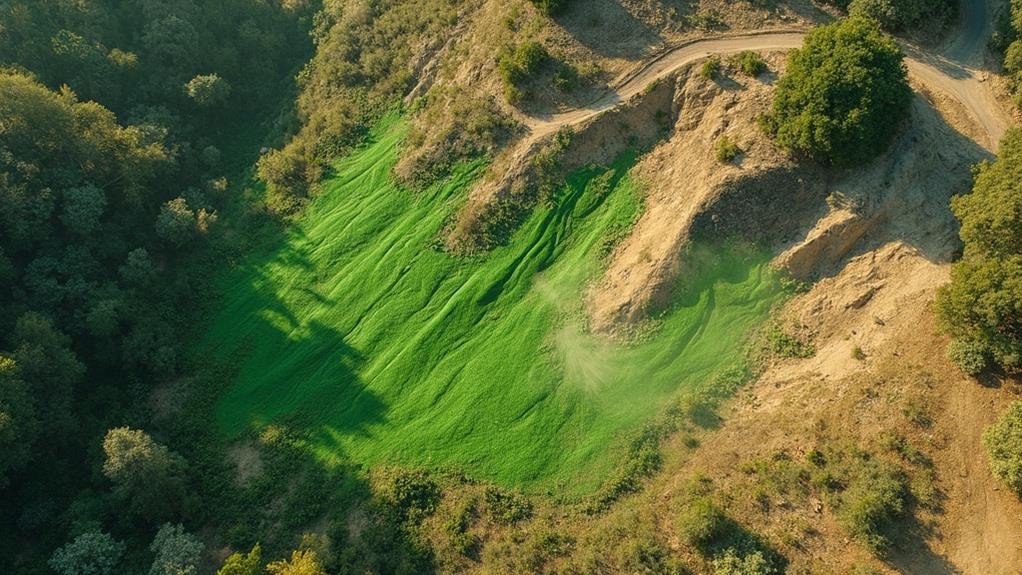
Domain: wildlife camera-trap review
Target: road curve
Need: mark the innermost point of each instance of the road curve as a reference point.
(954, 70)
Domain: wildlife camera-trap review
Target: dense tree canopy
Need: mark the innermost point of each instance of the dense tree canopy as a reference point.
(844, 95)
(91, 553)
(982, 306)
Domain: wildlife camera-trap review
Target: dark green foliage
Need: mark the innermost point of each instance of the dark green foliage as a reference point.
(208, 90)
(18, 422)
(902, 14)
(551, 7)
(91, 553)
(1003, 443)
(981, 306)
(844, 95)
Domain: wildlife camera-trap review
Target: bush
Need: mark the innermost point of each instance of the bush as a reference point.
(970, 356)
(507, 507)
(844, 94)
(710, 69)
(413, 493)
(731, 563)
(870, 499)
(518, 65)
(726, 150)
(750, 63)
(1003, 443)
(550, 7)
(701, 524)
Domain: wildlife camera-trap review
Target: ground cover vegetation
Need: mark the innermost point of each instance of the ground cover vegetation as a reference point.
(844, 94)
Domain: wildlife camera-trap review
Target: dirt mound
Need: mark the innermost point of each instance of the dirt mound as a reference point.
(691, 192)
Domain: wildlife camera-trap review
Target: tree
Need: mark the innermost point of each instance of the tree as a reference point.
(844, 94)
(176, 223)
(243, 563)
(982, 306)
(18, 423)
(1003, 443)
(208, 90)
(91, 553)
(82, 209)
(302, 562)
(177, 551)
(146, 474)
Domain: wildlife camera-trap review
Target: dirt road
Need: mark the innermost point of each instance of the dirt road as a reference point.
(954, 70)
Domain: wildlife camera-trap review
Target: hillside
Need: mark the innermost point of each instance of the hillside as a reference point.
(542, 286)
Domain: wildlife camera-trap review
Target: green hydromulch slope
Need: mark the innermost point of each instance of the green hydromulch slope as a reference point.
(388, 350)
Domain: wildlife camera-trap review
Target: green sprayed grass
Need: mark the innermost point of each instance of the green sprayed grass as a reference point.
(388, 350)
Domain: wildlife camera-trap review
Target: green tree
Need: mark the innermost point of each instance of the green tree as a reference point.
(844, 94)
(146, 475)
(82, 209)
(1003, 443)
(243, 563)
(18, 423)
(177, 551)
(982, 306)
(92, 553)
(208, 90)
(302, 562)
(177, 223)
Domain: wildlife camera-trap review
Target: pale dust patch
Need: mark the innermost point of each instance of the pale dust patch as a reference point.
(248, 462)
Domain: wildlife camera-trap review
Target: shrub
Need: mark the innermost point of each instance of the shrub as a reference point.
(413, 493)
(872, 502)
(701, 524)
(518, 65)
(731, 563)
(711, 68)
(844, 94)
(506, 506)
(726, 150)
(750, 63)
(970, 356)
(550, 7)
(1003, 443)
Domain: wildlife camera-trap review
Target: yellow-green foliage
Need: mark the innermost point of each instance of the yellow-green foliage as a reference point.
(1003, 442)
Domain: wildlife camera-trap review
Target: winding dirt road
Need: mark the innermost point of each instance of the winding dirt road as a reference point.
(954, 70)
